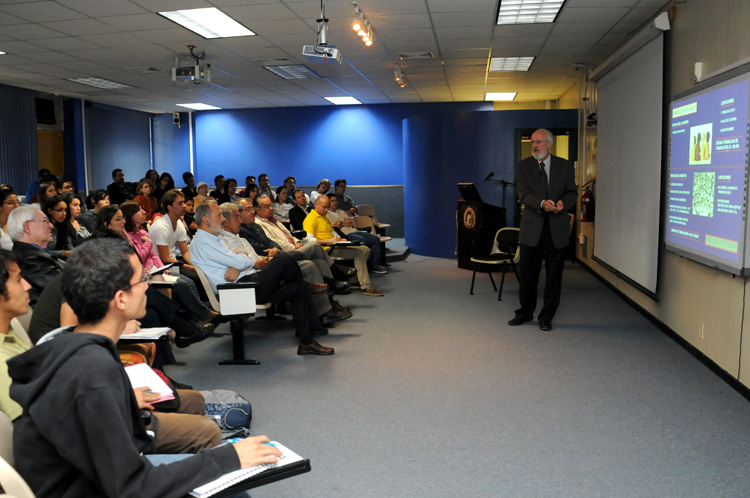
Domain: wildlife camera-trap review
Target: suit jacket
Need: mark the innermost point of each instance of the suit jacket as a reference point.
(531, 192)
(297, 217)
(257, 238)
(38, 268)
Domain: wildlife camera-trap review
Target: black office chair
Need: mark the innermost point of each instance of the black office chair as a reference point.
(505, 249)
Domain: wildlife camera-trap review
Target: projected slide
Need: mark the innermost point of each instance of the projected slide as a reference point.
(707, 168)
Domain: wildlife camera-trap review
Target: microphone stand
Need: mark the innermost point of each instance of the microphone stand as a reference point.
(501, 182)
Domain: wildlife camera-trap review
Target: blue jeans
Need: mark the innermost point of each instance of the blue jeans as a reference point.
(372, 242)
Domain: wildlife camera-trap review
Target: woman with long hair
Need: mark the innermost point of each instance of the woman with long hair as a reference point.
(46, 190)
(164, 185)
(57, 212)
(184, 288)
(75, 203)
(8, 202)
(94, 203)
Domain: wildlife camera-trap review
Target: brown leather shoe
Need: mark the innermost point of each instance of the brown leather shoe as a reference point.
(316, 289)
(313, 348)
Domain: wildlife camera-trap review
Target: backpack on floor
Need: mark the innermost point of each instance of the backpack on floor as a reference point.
(231, 411)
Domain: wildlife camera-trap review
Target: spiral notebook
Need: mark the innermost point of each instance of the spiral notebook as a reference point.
(290, 464)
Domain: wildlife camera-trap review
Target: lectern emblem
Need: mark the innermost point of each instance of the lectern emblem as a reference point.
(470, 218)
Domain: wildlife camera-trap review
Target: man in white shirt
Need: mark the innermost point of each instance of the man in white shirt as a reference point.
(278, 280)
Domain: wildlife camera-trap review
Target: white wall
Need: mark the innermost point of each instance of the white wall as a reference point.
(693, 296)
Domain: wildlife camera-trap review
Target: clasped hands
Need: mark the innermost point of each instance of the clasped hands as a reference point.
(552, 207)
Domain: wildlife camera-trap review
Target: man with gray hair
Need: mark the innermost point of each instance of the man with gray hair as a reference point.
(231, 236)
(31, 231)
(278, 279)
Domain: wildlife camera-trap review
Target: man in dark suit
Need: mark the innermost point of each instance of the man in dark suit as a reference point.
(31, 232)
(546, 187)
(119, 190)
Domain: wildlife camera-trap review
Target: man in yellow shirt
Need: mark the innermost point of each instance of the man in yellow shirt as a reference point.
(318, 225)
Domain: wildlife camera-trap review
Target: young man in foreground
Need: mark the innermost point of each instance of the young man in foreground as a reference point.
(81, 432)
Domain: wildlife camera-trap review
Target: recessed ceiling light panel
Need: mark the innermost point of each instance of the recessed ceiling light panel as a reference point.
(292, 71)
(209, 22)
(511, 63)
(199, 107)
(500, 96)
(528, 11)
(343, 100)
(100, 83)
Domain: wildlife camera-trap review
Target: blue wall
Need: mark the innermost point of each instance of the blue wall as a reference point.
(360, 143)
(445, 149)
(171, 145)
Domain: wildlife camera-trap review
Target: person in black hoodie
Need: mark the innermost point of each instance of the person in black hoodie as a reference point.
(81, 431)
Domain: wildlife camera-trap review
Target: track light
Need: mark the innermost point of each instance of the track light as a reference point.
(362, 26)
(398, 75)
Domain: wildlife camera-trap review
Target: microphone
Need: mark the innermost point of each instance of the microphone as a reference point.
(492, 173)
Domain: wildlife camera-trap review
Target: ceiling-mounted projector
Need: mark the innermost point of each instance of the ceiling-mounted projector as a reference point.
(196, 73)
(322, 53)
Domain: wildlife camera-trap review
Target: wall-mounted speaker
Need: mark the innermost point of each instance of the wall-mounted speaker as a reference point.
(176, 118)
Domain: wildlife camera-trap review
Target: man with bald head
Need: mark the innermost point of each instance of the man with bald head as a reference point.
(546, 187)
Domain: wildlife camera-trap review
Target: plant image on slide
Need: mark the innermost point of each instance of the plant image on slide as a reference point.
(704, 185)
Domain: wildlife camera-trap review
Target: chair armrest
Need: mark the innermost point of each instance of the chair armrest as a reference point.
(237, 285)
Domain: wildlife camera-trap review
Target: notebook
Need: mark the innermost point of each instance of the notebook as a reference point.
(255, 476)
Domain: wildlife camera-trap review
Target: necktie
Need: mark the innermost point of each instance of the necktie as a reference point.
(544, 177)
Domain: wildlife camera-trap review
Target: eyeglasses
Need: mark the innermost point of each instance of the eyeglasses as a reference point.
(145, 277)
(539, 142)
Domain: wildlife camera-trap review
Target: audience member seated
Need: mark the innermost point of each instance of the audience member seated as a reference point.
(249, 180)
(340, 221)
(95, 446)
(276, 234)
(219, 194)
(132, 228)
(299, 211)
(46, 190)
(310, 273)
(221, 264)
(318, 225)
(8, 202)
(345, 202)
(152, 175)
(231, 188)
(281, 208)
(144, 199)
(189, 217)
(14, 302)
(94, 202)
(202, 190)
(78, 230)
(31, 232)
(189, 191)
(62, 240)
(67, 186)
(120, 190)
(290, 183)
(34, 185)
(264, 187)
(169, 234)
(323, 186)
(164, 185)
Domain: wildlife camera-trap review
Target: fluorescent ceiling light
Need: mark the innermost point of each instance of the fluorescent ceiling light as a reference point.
(100, 83)
(209, 22)
(293, 71)
(511, 63)
(528, 11)
(500, 96)
(199, 107)
(343, 100)
(2, 53)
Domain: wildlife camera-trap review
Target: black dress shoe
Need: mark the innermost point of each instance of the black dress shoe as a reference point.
(545, 326)
(201, 332)
(337, 306)
(319, 332)
(313, 348)
(333, 316)
(518, 320)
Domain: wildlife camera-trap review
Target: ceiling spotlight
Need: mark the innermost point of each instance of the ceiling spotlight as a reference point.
(368, 43)
(361, 25)
(398, 75)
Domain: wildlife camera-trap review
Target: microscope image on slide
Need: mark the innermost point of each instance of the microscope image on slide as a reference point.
(704, 189)
(700, 144)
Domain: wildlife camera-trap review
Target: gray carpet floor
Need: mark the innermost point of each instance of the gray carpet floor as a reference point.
(432, 394)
